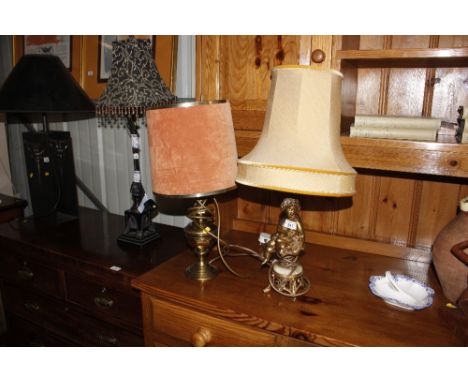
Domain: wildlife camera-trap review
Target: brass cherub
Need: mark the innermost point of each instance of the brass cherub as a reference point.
(288, 241)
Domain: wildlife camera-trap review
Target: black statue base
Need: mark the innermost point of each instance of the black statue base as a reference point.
(139, 229)
(139, 238)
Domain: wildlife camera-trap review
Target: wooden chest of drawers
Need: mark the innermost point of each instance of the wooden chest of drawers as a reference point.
(339, 309)
(69, 284)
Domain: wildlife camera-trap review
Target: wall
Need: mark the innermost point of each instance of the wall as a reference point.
(103, 159)
(5, 67)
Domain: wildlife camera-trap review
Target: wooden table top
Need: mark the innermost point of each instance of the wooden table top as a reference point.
(338, 310)
(92, 238)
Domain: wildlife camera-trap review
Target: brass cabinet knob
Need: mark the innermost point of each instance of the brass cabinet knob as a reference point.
(318, 56)
(103, 302)
(201, 337)
(25, 272)
(106, 340)
(31, 306)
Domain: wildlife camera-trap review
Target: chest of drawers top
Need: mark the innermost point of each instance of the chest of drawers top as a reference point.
(339, 309)
(88, 242)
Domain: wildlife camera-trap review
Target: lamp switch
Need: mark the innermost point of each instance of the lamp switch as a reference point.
(264, 237)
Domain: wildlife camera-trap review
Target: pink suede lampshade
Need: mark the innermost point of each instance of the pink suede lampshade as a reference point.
(192, 149)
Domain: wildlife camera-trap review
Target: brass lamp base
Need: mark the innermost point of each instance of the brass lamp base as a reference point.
(288, 279)
(201, 271)
(200, 239)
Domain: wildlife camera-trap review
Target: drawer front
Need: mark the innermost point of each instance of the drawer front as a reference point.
(23, 333)
(94, 332)
(48, 313)
(22, 271)
(110, 302)
(62, 320)
(176, 325)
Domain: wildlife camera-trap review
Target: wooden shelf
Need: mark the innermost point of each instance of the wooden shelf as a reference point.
(432, 158)
(435, 57)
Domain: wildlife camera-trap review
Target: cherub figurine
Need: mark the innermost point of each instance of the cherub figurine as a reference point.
(288, 241)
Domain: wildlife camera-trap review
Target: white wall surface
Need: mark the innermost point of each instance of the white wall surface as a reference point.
(5, 175)
(103, 158)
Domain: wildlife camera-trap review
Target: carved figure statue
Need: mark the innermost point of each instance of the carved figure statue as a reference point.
(288, 241)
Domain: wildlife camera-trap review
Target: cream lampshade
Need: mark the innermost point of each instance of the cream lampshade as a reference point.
(193, 155)
(298, 152)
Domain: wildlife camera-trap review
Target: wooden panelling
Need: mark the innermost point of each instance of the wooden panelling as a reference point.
(208, 85)
(246, 63)
(396, 211)
(361, 214)
(432, 218)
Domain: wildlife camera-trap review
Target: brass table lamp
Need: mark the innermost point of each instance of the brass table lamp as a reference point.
(299, 152)
(194, 156)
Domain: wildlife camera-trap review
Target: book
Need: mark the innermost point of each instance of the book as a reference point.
(391, 132)
(397, 121)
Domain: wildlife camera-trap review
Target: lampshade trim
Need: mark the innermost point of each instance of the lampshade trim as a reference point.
(292, 168)
(185, 104)
(332, 71)
(197, 195)
(290, 190)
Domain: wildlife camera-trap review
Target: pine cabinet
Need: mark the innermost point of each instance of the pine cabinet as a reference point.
(406, 191)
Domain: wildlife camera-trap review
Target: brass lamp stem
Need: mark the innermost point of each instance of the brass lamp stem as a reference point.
(197, 233)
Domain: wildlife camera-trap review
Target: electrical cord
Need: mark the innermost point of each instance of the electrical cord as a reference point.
(225, 249)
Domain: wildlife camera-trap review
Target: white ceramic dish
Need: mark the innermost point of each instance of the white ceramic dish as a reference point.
(420, 295)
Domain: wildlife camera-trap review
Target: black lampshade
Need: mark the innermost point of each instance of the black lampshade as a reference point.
(42, 84)
(135, 83)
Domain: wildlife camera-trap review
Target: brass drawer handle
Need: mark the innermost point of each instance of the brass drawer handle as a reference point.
(31, 306)
(25, 273)
(103, 302)
(201, 337)
(103, 339)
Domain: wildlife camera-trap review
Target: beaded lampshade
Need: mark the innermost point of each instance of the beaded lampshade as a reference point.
(134, 83)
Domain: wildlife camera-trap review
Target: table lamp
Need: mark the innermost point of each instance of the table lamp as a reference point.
(41, 86)
(194, 156)
(299, 152)
(133, 86)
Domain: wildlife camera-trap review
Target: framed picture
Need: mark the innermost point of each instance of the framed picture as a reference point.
(57, 45)
(68, 48)
(105, 53)
(97, 58)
